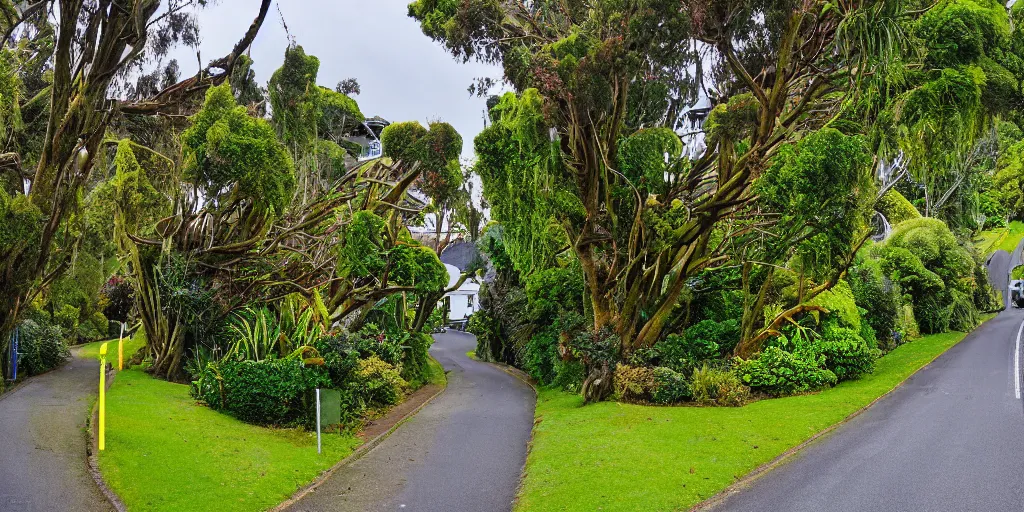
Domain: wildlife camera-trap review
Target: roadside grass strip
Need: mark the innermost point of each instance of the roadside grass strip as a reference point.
(621, 457)
(166, 453)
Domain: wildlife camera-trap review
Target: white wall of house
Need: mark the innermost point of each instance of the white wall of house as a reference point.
(466, 300)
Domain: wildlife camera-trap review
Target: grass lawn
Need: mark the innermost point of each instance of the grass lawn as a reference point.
(131, 346)
(1005, 239)
(164, 452)
(611, 456)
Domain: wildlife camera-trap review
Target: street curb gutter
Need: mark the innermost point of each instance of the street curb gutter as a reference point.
(357, 454)
(91, 451)
(713, 502)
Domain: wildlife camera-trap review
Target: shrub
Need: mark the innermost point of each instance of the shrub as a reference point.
(42, 348)
(381, 383)
(778, 372)
(569, 375)
(896, 208)
(845, 353)
(877, 295)
(269, 392)
(840, 302)
(712, 386)
(414, 359)
(634, 383)
(671, 387)
(703, 341)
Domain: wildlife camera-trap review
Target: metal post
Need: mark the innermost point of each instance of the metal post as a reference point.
(103, 397)
(318, 420)
(14, 354)
(120, 349)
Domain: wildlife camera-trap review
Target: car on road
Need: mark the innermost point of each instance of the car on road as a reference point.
(1017, 293)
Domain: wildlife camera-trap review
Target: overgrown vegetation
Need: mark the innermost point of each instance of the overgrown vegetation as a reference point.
(818, 215)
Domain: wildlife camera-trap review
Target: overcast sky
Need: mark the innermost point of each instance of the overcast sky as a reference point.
(404, 75)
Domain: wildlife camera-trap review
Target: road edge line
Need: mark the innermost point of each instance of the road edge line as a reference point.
(717, 499)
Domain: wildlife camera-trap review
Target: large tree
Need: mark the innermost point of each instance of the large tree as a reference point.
(589, 75)
(84, 47)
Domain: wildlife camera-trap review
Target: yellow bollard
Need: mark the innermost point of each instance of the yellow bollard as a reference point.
(120, 350)
(103, 395)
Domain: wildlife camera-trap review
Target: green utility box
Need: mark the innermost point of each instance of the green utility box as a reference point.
(330, 407)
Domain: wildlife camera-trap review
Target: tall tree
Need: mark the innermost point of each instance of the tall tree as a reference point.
(780, 67)
(88, 45)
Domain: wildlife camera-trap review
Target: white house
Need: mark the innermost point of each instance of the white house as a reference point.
(465, 300)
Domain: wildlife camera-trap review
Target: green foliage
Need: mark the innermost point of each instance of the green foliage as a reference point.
(927, 261)
(415, 358)
(294, 95)
(644, 156)
(339, 114)
(553, 290)
(879, 296)
(226, 149)
(42, 348)
(845, 353)
(271, 392)
(1008, 184)
(401, 141)
(671, 387)
(713, 386)
(634, 383)
(958, 32)
(703, 341)
(525, 182)
(20, 223)
(823, 181)
(841, 304)
(896, 208)
(734, 119)
(381, 383)
(778, 372)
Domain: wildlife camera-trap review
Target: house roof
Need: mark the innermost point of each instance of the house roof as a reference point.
(461, 254)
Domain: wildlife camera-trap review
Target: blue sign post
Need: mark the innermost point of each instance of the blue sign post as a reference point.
(14, 355)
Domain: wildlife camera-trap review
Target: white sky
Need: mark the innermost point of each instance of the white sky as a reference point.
(403, 74)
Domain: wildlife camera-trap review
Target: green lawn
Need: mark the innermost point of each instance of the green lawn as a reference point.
(612, 456)
(131, 346)
(164, 452)
(1001, 239)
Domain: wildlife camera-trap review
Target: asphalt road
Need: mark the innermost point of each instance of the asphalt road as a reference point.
(463, 452)
(949, 439)
(42, 454)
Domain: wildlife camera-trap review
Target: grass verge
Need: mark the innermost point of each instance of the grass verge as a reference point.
(166, 453)
(612, 456)
(1005, 239)
(131, 346)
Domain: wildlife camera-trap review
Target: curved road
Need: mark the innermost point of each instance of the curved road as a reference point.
(948, 439)
(42, 454)
(463, 452)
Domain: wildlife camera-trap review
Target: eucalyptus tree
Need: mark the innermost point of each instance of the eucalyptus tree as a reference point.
(63, 61)
(780, 68)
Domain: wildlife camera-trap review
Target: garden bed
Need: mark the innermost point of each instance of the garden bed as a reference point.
(612, 456)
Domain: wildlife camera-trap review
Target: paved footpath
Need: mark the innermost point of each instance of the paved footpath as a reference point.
(42, 454)
(948, 439)
(463, 452)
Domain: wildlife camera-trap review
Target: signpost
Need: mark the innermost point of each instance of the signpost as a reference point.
(14, 354)
(318, 420)
(103, 397)
(120, 349)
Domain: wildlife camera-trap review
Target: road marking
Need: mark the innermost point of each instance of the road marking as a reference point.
(1016, 364)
